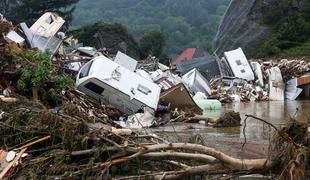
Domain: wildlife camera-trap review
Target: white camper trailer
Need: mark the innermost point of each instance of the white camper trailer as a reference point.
(239, 64)
(114, 84)
(47, 25)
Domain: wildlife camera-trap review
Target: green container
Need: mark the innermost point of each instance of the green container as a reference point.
(209, 104)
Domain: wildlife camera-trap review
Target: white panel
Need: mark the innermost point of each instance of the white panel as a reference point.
(276, 84)
(239, 64)
(126, 61)
(13, 36)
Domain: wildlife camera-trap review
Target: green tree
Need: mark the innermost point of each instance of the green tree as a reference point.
(290, 31)
(189, 20)
(153, 43)
(36, 74)
(30, 10)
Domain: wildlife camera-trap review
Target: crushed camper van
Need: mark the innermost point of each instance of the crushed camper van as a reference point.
(111, 83)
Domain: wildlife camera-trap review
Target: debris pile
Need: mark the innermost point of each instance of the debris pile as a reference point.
(229, 119)
(293, 68)
(294, 154)
(51, 129)
(228, 89)
(136, 87)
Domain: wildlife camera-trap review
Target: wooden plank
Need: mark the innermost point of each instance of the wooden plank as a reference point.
(10, 165)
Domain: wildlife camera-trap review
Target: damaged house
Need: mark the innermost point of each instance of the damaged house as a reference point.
(188, 54)
(207, 66)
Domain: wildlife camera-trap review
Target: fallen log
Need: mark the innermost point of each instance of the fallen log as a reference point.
(229, 161)
(180, 156)
(8, 99)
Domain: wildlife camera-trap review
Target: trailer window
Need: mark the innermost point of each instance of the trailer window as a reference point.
(144, 89)
(226, 83)
(85, 70)
(238, 62)
(94, 87)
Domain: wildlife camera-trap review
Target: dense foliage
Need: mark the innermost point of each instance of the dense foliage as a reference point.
(152, 43)
(186, 24)
(290, 24)
(112, 36)
(36, 72)
(29, 10)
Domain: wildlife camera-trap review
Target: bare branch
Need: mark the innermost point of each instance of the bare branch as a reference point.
(180, 156)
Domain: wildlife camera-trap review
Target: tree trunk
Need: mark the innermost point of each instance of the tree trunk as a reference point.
(35, 94)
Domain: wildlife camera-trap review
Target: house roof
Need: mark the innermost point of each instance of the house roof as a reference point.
(189, 53)
(207, 66)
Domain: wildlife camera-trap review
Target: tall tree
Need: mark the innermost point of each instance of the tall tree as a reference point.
(29, 10)
(153, 43)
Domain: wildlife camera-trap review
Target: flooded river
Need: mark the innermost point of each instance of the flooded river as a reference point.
(275, 112)
(257, 132)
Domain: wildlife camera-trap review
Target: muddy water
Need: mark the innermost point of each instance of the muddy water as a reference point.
(275, 112)
(230, 140)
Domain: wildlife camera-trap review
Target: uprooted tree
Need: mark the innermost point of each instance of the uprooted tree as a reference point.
(35, 74)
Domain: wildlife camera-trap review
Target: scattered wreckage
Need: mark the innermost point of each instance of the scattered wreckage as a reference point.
(115, 95)
(133, 86)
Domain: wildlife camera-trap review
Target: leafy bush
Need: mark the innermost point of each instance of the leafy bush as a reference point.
(36, 72)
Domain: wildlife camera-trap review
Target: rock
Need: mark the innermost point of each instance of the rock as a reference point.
(244, 24)
(10, 156)
(238, 29)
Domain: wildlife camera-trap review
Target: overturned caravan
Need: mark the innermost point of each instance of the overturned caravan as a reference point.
(113, 84)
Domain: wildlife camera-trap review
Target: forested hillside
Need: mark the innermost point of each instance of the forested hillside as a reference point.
(186, 23)
(272, 28)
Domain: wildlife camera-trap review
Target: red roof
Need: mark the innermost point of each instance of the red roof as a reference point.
(186, 55)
